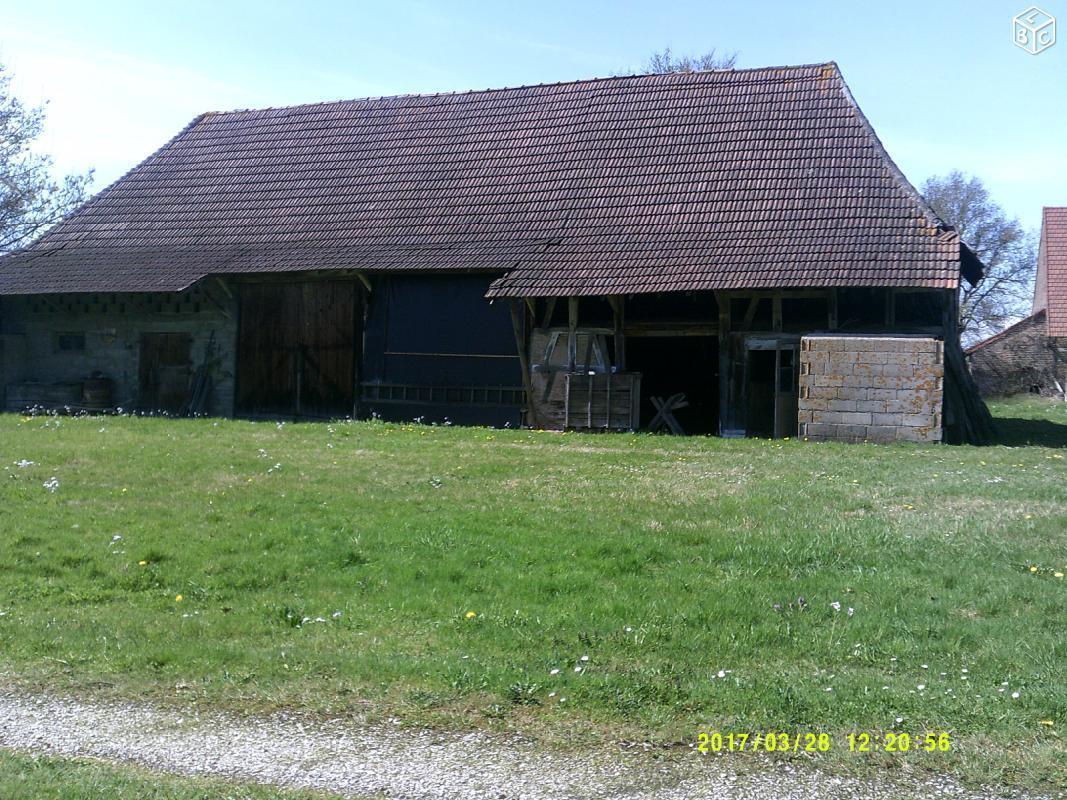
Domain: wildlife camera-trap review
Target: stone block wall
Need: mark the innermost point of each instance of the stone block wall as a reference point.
(871, 388)
(112, 325)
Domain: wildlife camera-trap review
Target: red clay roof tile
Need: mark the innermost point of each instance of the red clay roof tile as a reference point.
(727, 179)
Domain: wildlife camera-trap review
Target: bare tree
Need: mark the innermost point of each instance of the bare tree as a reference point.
(31, 199)
(1008, 251)
(665, 61)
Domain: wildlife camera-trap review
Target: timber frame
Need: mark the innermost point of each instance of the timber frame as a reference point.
(567, 342)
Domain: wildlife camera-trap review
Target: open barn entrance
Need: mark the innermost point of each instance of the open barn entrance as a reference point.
(297, 348)
(672, 364)
(769, 389)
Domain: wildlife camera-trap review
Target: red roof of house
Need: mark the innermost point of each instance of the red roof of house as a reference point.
(1050, 289)
(1036, 318)
(709, 180)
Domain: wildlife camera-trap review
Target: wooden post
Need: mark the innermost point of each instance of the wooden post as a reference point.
(723, 301)
(517, 320)
(618, 306)
(550, 309)
(572, 333)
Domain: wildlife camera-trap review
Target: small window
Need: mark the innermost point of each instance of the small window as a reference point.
(70, 342)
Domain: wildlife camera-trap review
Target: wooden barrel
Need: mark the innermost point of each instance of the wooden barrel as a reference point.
(96, 391)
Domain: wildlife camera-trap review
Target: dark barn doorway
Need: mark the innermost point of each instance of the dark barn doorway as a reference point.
(770, 388)
(164, 372)
(297, 349)
(760, 401)
(672, 364)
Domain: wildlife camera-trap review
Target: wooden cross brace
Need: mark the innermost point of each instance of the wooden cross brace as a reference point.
(664, 413)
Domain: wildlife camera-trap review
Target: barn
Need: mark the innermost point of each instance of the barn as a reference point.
(729, 252)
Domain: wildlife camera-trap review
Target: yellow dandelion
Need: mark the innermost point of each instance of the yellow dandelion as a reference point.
(1047, 723)
(142, 563)
(1057, 574)
(471, 614)
(178, 598)
(1033, 569)
(1028, 516)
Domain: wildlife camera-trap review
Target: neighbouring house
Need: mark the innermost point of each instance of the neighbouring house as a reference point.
(1031, 355)
(572, 255)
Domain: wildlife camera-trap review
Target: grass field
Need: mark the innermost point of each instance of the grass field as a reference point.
(24, 777)
(444, 575)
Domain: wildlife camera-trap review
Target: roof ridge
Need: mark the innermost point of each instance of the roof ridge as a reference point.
(544, 85)
(996, 337)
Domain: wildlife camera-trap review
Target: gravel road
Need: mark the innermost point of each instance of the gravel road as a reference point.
(394, 762)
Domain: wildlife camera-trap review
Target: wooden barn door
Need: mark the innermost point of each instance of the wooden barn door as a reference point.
(164, 372)
(297, 349)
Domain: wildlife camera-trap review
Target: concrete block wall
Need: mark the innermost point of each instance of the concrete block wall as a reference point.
(871, 388)
(113, 324)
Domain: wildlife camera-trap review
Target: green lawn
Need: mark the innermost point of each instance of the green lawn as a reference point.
(441, 575)
(24, 777)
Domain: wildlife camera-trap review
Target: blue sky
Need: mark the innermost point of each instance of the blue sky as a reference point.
(942, 82)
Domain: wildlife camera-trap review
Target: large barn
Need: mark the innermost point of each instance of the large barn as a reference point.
(728, 252)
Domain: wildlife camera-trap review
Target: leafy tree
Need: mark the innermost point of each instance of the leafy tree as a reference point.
(1007, 250)
(31, 199)
(666, 61)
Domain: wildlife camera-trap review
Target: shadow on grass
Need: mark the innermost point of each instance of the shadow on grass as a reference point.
(1020, 432)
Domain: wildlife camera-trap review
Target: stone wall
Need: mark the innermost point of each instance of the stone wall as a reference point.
(871, 388)
(112, 325)
(1018, 360)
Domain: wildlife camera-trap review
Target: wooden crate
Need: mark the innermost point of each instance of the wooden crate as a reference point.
(580, 401)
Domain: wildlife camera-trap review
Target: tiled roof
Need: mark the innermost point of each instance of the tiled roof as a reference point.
(1036, 318)
(728, 179)
(1051, 286)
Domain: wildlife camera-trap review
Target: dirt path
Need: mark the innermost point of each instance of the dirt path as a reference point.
(400, 763)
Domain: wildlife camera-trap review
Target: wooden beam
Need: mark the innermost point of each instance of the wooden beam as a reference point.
(517, 320)
(723, 301)
(224, 287)
(650, 329)
(582, 329)
(215, 301)
(572, 333)
(750, 314)
(550, 309)
(618, 307)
